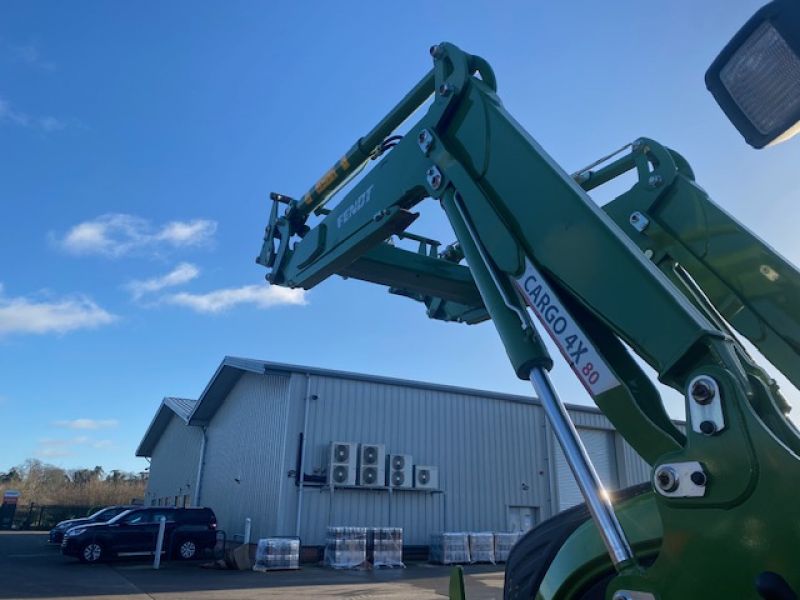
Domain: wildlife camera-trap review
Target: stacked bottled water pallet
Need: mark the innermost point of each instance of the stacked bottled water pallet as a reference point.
(474, 547)
(503, 542)
(275, 554)
(385, 546)
(346, 547)
(481, 547)
(449, 548)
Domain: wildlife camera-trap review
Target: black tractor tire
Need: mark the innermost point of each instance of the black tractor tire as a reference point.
(531, 556)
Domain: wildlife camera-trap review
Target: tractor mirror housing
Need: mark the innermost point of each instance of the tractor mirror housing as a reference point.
(756, 77)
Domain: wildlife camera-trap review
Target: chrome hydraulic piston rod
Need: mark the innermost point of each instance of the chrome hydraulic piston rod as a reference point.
(595, 495)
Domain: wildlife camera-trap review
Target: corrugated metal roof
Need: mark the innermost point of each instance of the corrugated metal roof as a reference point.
(231, 369)
(181, 407)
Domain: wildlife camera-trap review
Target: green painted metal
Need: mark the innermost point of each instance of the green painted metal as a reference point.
(457, 590)
(672, 291)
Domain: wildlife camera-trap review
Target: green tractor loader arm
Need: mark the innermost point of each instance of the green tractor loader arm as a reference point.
(661, 272)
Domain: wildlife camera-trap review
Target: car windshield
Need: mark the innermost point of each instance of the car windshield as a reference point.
(102, 514)
(120, 516)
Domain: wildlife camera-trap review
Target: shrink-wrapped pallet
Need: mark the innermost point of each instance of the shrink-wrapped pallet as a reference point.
(346, 547)
(503, 542)
(481, 547)
(277, 553)
(449, 548)
(385, 546)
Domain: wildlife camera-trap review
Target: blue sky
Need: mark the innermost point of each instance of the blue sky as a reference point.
(139, 142)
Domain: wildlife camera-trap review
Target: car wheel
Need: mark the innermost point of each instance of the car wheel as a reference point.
(91, 553)
(187, 550)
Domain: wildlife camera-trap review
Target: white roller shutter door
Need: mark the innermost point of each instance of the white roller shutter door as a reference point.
(600, 446)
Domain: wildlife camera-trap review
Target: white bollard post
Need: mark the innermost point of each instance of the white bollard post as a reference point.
(162, 523)
(247, 530)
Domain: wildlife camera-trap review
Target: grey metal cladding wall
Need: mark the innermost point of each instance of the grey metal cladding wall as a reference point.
(631, 468)
(462, 434)
(245, 441)
(173, 466)
(634, 469)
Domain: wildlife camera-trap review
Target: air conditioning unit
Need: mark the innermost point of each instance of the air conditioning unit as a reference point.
(426, 477)
(372, 465)
(400, 471)
(342, 467)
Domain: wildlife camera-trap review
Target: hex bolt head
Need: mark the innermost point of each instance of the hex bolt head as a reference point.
(638, 221)
(425, 141)
(708, 427)
(434, 177)
(445, 89)
(435, 51)
(667, 479)
(698, 478)
(654, 181)
(703, 391)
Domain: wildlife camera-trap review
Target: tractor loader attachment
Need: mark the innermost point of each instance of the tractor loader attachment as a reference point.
(661, 272)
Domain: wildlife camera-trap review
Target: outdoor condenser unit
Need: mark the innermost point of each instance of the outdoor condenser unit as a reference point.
(372, 465)
(400, 470)
(426, 477)
(342, 467)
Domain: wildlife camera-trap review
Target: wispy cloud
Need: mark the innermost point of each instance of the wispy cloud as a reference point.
(26, 315)
(181, 274)
(119, 234)
(28, 54)
(87, 423)
(62, 447)
(44, 123)
(261, 296)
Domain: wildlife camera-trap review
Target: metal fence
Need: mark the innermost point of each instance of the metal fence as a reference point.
(44, 517)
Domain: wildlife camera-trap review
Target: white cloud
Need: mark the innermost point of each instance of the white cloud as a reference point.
(61, 447)
(118, 234)
(261, 296)
(29, 54)
(53, 452)
(181, 274)
(12, 116)
(25, 315)
(87, 424)
(183, 233)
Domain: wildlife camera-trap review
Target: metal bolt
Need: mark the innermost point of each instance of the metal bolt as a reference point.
(698, 478)
(436, 51)
(703, 391)
(638, 221)
(425, 140)
(708, 427)
(648, 254)
(637, 145)
(654, 181)
(667, 479)
(445, 89)
(434, 177)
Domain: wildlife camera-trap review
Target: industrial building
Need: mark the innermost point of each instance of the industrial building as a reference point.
(297, 449)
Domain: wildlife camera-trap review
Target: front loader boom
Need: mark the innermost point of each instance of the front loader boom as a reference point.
(660, 271)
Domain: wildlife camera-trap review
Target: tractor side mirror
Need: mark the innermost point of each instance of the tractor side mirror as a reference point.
(756, 77)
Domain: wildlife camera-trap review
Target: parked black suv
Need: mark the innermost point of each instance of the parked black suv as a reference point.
(188, 532)
(101, 516)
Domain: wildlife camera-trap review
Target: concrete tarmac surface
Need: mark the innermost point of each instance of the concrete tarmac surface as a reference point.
(30, 568)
